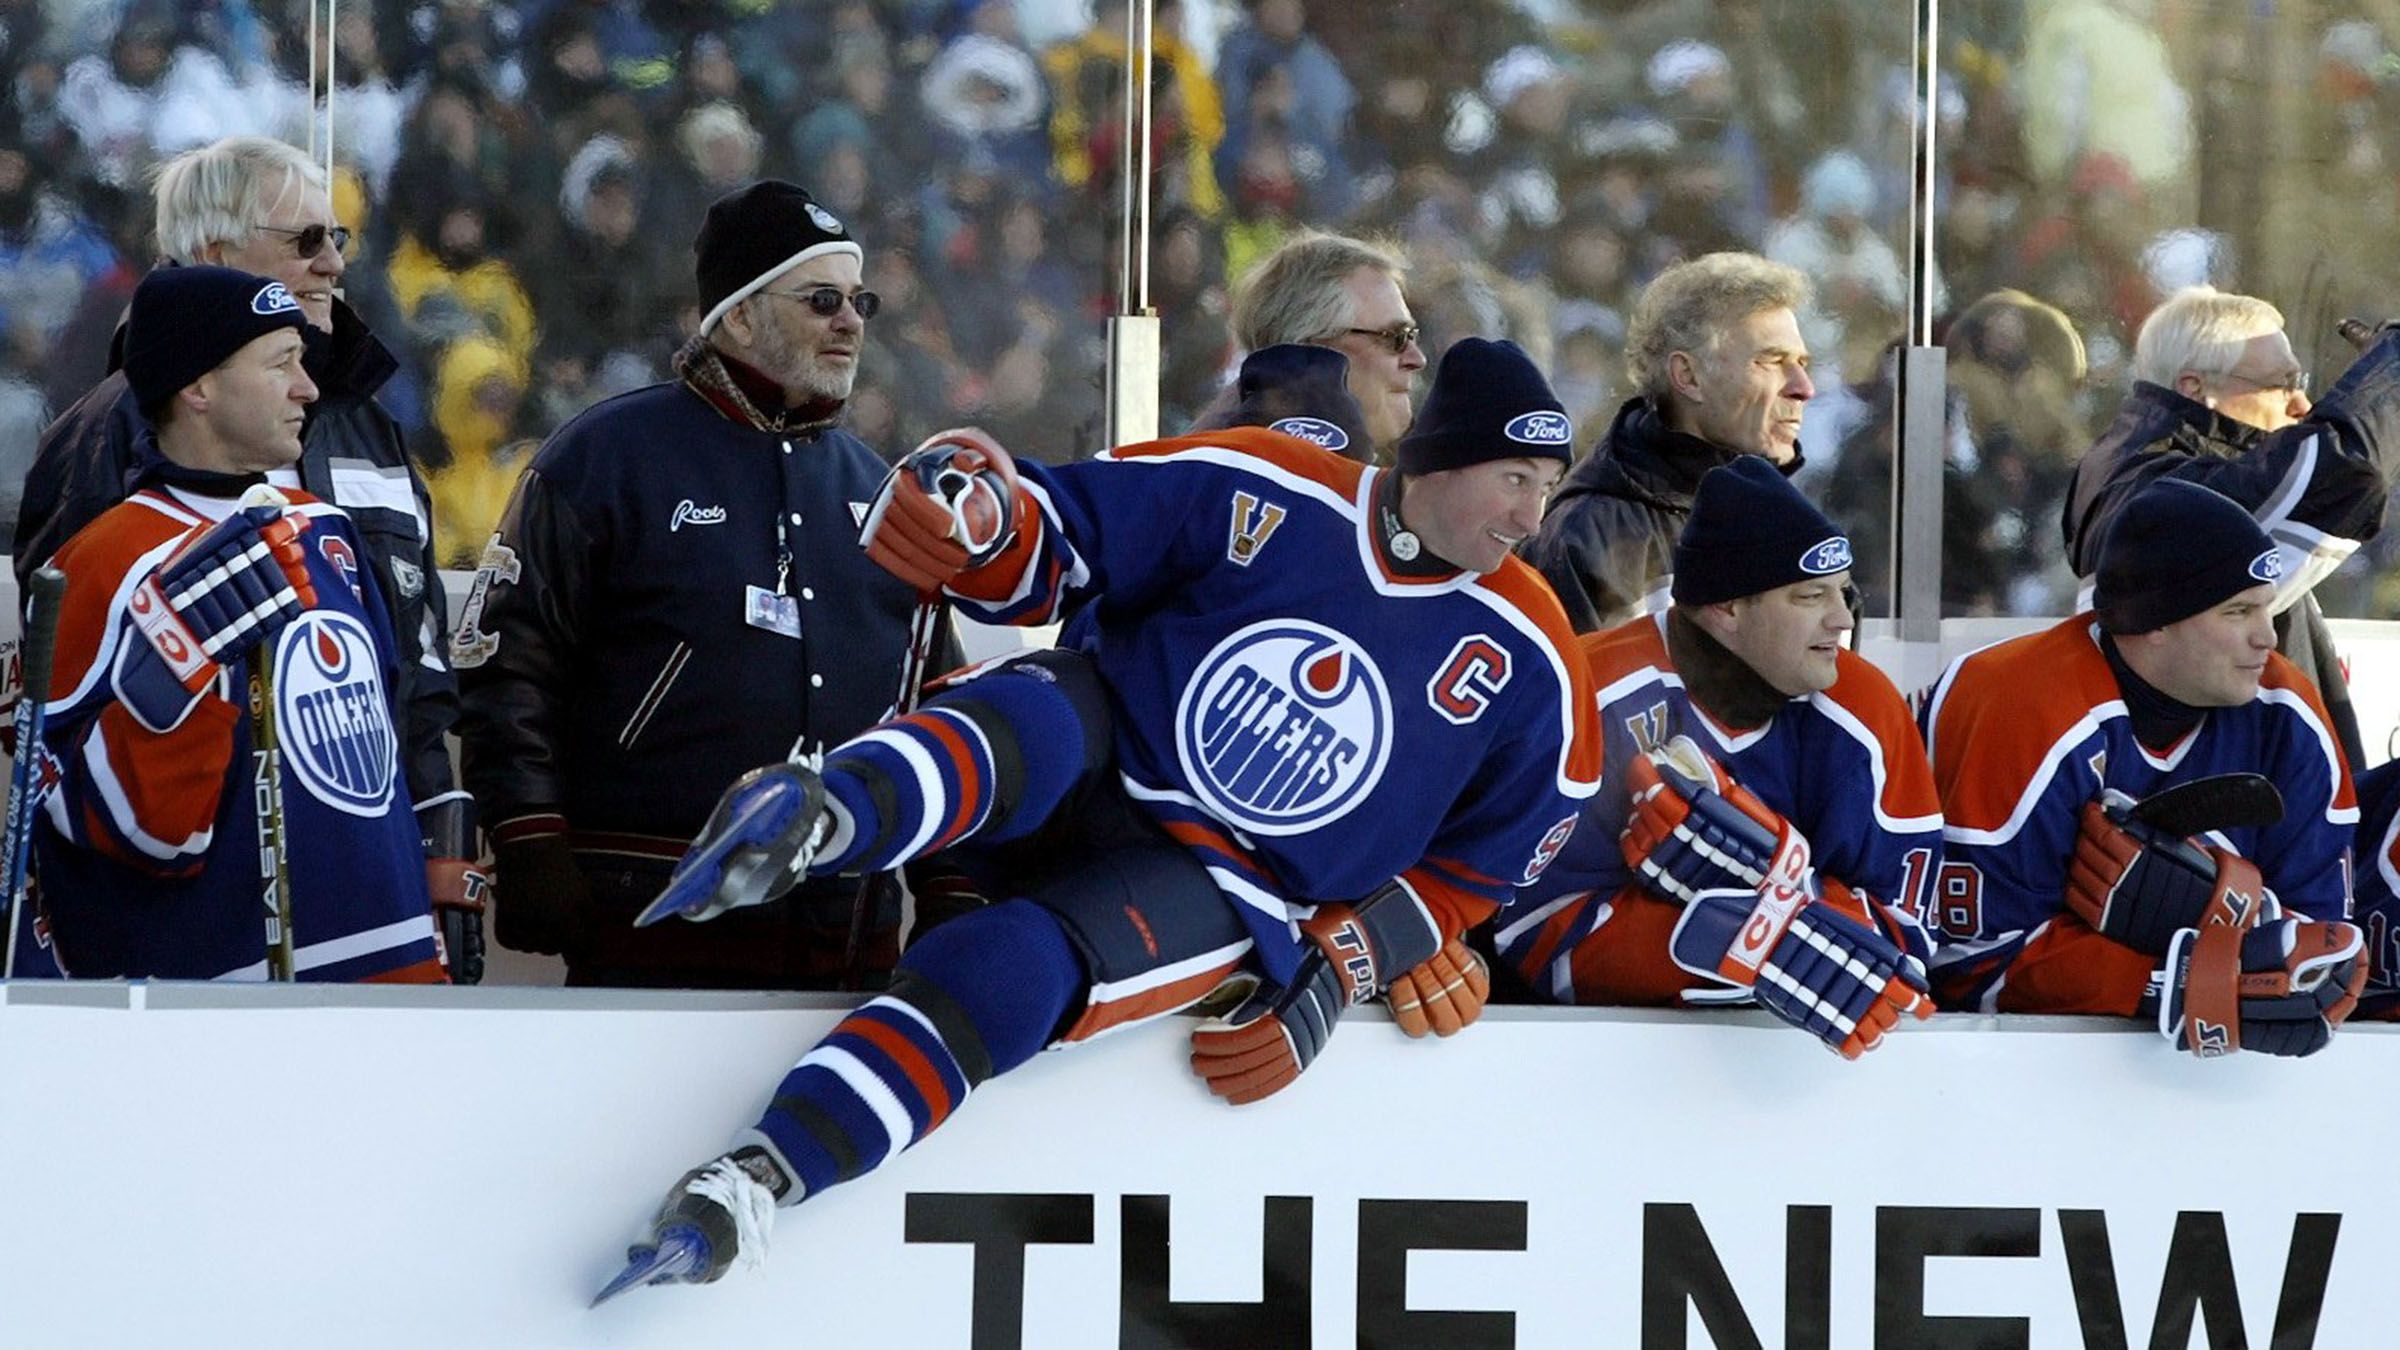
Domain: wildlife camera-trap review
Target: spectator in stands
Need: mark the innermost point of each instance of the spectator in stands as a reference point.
(1308, 106)
(1329, 290)
(1719, 370)
(451, 281)
(1089, 81)
(478, 388)
(262, 206)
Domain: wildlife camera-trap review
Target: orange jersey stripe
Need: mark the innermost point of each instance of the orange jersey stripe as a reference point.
(1288, 453)
(1149, 1003)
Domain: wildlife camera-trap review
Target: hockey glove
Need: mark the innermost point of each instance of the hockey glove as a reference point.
(226, 588)
(1693, 829)
(1258, 1048)
(947, 507)
(1805, 962)
(457, 883)
(1444, 995)
(716, 1219)
(540, 897)
(2141, 887)
(2280, 988)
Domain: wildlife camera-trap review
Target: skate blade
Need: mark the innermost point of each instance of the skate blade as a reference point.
(681, 1253)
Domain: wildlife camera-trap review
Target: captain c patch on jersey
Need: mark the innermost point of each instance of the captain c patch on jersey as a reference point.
(1285, 726)
(335, 726)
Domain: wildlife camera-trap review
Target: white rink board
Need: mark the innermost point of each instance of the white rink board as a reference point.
(393, 1168)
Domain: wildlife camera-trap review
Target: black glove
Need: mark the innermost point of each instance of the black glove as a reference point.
(541, 899)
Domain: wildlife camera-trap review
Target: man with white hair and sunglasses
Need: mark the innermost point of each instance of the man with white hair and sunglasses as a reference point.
(675, 594)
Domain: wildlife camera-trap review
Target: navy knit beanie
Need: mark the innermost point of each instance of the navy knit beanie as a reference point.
(1751, 531)
(186, 320)
(2177, 549)
(1487, 402)
(1304, 392)
(755, 234)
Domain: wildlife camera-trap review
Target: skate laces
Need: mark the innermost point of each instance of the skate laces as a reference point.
(751, 1204)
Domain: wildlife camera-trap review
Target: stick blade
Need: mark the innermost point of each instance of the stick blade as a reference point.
(2224, 801)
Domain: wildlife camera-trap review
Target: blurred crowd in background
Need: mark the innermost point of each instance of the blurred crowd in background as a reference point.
(524, 178)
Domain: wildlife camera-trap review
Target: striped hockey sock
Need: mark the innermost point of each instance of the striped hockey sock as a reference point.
(979, 996)
(992, 758)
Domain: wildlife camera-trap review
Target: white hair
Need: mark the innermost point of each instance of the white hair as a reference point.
(2199, 328)
(220, 192)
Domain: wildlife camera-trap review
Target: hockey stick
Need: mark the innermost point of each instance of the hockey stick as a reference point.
(43, 591)
(266, 787)
(924, 626)
(2222, 801)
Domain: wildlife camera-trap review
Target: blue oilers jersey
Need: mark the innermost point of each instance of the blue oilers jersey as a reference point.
(1309, 722)
(2022, 735)
(150, 856)
(1844, 766)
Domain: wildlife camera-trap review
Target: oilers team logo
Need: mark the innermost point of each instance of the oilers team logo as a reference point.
(337, 732)
(1314, 430)
(1541, 427)
(1286, 726)
(1826, 558)
(2267, 566)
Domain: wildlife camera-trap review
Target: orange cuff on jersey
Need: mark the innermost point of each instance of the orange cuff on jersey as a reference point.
(2068, 968)
(1455, 909)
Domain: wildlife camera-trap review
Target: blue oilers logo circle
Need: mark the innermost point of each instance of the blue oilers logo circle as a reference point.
(2267, 566)
(1286, 726)
(1833, 555)
(335, 727)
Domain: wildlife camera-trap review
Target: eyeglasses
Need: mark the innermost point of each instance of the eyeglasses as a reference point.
(1396, 337)
(826, 301)
(309, 240)
(2292, 385)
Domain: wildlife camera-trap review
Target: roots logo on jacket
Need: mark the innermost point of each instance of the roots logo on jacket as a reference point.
(335, 725)
(1285, 727)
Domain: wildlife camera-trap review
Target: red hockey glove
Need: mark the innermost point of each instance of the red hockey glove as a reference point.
(1257, 1049)
(2280, 988)
(223, 591)
(949, 506)
(1693, 829)
(2138, 886)
(1443, 995)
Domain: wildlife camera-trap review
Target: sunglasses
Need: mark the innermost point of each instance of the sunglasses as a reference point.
(826, 301)
(1397, 337)
(309, 240)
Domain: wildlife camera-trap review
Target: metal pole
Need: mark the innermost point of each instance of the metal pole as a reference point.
(1923, 383)
(1133, 336)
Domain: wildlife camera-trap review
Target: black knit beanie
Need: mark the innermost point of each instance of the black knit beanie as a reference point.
(1488, 402)
(2177, 549)
(755, 234)
(185, 321)
(1751, 531)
